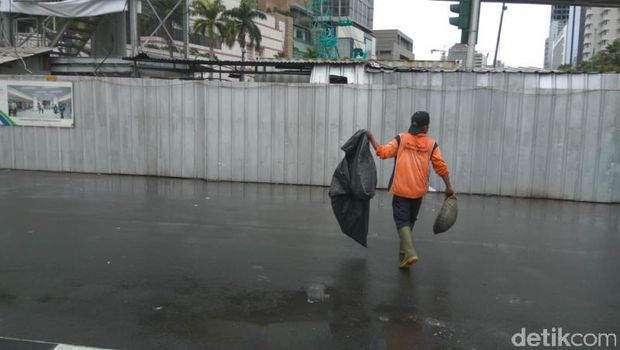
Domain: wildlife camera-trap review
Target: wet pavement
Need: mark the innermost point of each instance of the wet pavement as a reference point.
(149, 263)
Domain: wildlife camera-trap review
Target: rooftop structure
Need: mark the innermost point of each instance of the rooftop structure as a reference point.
(392, 44)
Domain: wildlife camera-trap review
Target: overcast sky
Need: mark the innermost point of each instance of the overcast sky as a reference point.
(523, 34)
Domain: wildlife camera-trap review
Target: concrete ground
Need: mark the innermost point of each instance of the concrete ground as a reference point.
(149, 263)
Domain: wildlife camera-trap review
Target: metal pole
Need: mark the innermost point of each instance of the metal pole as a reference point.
(186, 29)
(473, 33)
(5, 30)
(499, 34)
(133, 27)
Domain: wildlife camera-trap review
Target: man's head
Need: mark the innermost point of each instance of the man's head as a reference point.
(419, 123)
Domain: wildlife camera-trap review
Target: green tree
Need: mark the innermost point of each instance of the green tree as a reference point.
(607, 60)
(566, 68)
(311, 52)
(211, 21)
(246, 29)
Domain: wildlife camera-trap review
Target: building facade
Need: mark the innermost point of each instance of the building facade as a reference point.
(564, 46)
(353, 20)
(558, 49)
(356, 34)
(574, 35)
(557, 22)
(458, 52)
(392, 44)
(602, 27)
(273, 31)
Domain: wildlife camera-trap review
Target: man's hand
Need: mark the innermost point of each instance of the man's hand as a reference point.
(372, 140)
(449, 192)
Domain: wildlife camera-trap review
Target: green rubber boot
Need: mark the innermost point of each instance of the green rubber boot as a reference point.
(406, 243)
(401, 251)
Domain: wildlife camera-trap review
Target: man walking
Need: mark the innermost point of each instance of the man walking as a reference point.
(409, 183)
(62, 110)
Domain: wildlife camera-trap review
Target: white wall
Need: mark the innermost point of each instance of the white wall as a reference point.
(515, 134)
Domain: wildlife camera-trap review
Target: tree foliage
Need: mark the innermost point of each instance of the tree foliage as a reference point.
(311, 52)
(244, 16)
(213, 23)
(607, 60)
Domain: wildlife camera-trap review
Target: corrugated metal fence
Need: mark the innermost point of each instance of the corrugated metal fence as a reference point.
(517, 134)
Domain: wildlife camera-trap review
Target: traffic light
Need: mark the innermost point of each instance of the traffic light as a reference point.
(463, 9)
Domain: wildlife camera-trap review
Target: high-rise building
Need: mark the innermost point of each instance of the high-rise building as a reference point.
(358, 11)
(359, 34)
(558, 49)
(574, 35)
(565, 41)
(557, 22)
(458, 52)
(394, 45)
(547, 63)
(602, 27)
(559, 13)
(355, 34)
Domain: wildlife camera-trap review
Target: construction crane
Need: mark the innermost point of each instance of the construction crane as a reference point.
(322, 29)
(443, 53)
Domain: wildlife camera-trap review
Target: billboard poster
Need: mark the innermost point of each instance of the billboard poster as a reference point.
(36, 103)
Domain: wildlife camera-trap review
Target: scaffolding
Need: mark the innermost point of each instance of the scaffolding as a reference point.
(69, 29)
(322, 29)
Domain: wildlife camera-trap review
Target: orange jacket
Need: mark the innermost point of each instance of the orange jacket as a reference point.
(411, 171)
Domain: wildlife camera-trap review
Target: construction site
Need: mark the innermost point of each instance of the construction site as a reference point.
(164, 187)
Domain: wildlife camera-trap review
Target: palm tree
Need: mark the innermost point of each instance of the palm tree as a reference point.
(244, 15)
(211, 21)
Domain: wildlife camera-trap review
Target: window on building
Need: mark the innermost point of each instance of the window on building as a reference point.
(385, 52)
(368, 46)
(404, 43)
(301, 34)
(345, 8)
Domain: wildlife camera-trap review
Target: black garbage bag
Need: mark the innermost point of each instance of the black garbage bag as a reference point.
(353, 185)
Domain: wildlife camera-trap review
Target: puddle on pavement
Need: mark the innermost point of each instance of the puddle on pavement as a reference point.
(316, 293)
(318, 315)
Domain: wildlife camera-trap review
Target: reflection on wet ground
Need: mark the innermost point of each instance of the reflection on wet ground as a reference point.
(149, 263)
